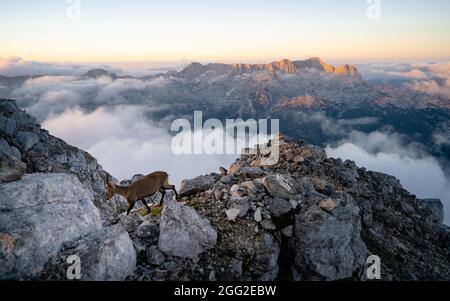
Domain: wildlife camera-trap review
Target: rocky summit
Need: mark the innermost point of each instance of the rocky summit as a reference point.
(308, 217)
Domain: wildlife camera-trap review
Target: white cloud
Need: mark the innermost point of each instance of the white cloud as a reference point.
(428, 78)
(126, 143)
(16, 66)
(50, 95)
(432, 87)
(413, 74)
(441, 135)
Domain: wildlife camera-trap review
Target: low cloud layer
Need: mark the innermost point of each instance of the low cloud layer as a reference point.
(52, 95)
(126, 143)
(428, 78)
(419, 173)
(16, 66)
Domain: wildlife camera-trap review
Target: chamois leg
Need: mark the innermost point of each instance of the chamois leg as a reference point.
(176, 193)
(146, 205)
(163, 194)
(130, 206)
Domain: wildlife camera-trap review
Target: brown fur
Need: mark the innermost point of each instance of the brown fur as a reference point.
(139, 190)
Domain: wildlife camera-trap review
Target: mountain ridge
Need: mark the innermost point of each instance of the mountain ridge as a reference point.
(287, 66)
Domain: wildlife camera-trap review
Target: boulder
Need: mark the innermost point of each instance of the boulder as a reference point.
(183, 233)
(106, 255)
(279, 206)
(329, 246)
(252, 172)
(37, 215)
(265, 264)
(250, 186)
(241, 204)
(232, 214)
(27, 140)
(268, 225)
(278, 185)
(196, 185)
(7, 126)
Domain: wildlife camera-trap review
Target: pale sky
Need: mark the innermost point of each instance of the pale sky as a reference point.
(226, 30)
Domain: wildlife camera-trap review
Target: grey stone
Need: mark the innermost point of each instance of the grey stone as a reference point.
(280, 186)
(279, 206)
(196, 185)
(183, 233)
(155, 256)
(250, 186)
(106, 255)
(240, 203)
(37, 215)
(265, 265)
(232, 214)
(7, 125)
(329, 247)
(27, 140)
(268, 225)
(252, 172)
(257, 215)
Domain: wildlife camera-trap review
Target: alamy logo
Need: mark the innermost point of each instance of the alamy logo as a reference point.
(373, 267)
(74, 9)
(74, 269)
(236, 137)
(374, 10)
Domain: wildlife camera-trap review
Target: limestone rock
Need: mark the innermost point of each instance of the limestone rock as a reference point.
(196, 185)
(329, 247)
(106, 255)
(39, 213)
(280, 186)
(183, 233)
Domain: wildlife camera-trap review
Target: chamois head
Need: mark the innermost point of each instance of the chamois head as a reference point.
(109, 192)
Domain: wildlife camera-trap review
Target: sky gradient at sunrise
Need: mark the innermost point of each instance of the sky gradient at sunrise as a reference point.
(170, 30)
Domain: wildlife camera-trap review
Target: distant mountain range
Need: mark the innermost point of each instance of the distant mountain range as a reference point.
(197, 70)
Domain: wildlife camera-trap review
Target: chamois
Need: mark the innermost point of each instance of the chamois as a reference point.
(139, 190)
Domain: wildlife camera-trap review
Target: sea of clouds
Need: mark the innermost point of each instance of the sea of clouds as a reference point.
(110, 119)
